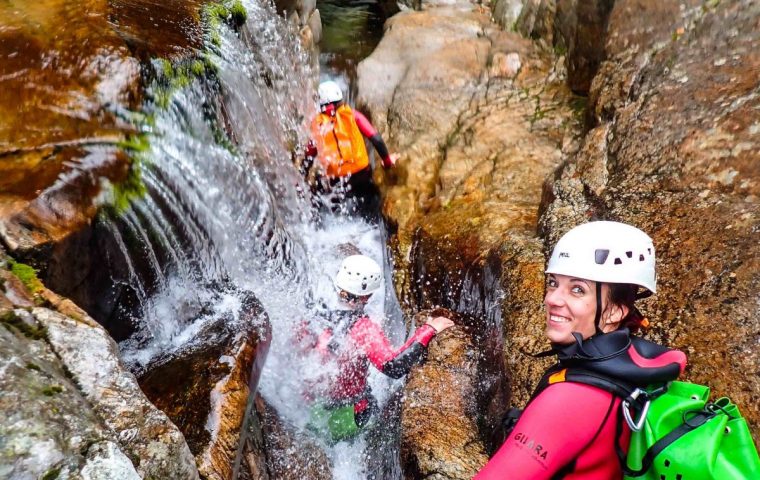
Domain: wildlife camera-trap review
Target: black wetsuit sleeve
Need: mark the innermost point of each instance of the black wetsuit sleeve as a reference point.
(379, 144)
(404, 361)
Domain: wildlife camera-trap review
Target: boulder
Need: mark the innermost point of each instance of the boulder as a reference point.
(444, 406)
(462, 205)
(71, 408)
(211, 381)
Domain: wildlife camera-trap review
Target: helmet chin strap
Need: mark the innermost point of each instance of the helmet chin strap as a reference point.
(598, 315)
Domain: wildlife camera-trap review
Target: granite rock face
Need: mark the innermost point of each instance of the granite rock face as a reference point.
(491, 123)
(443, 405)
(69, 82)
(70, 407)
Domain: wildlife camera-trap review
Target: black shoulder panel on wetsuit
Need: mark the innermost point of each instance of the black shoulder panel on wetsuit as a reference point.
(404, 361)
(612, 355)
(379, 144)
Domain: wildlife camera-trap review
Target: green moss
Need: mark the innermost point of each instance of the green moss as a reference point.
(198, 68)
(51, 474)
(52, 390)
(238, 13)
(13, 322)
(231, 12)
(27, 275)
(133, 186)
(579, 105)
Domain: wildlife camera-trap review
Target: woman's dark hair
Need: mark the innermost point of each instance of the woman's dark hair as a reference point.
(624, 294)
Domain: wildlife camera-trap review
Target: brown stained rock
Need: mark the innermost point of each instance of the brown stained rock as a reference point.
(581, 25)
(208, 394)
(440, 436)
(682, 162)
(168, 29)
(272, 451)
(229, 399)
(636, 29)
(68, 68)
(415, 52)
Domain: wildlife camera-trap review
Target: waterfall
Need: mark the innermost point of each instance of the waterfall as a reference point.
(227, 210)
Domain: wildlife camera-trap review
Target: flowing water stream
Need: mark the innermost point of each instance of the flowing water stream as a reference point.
(225, 217)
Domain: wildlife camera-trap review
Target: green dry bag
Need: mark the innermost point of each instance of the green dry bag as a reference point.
(684, 436)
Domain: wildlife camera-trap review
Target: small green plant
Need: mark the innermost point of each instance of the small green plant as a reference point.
(12, 322)
(28, 276)
(32, 366)
(52, 390)
(52, 474)
(132, 187)
(238, 13)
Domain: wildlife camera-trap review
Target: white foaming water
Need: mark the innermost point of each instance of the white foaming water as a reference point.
(217, 222)
(290, 374)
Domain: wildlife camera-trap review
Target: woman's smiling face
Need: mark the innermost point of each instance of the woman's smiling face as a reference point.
(570, 307)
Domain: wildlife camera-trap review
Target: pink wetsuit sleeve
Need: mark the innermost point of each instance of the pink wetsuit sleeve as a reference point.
(366, 128)
(371, 339)
(364, 124)
(551, 432)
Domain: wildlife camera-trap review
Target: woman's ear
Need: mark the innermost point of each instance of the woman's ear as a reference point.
(612, 317)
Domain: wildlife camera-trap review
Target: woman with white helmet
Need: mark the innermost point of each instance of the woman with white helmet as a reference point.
(571, 428)
(338, 143)
(352, 341)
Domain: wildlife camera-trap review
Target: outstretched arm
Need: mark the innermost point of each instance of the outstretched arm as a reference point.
(366, 128)
(392, 362)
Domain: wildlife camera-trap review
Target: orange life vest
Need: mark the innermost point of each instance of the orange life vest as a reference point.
(339, 142)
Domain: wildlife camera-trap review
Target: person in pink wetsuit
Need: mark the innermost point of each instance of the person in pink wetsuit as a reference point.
(349, 340)
(570, 430)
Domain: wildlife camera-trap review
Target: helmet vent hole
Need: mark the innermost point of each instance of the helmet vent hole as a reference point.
(649, 250)
(618, 261)
(600, 256)
(641, 258)
(629, 254)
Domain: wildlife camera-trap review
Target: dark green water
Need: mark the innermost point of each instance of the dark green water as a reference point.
(350, 32)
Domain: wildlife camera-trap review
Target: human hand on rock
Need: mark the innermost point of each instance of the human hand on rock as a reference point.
(440, 323)
(392, 159)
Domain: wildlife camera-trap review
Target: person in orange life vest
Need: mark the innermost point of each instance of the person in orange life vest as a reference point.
(572, 430)
(338, 143)
(354, 341)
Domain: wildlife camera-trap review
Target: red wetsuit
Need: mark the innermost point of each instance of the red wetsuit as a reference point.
(564, 422)
(569, 430)
(363, 343)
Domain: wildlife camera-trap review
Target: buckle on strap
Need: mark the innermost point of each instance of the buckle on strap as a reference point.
(638, 424)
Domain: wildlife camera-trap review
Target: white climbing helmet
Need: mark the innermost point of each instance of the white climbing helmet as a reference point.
(358, 275)
(609, 252)
(329, 92)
